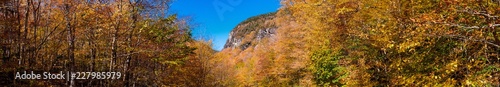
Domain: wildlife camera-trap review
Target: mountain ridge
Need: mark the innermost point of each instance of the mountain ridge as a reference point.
(251, 30)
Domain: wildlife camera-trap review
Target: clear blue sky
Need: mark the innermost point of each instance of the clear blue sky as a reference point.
(214, 19)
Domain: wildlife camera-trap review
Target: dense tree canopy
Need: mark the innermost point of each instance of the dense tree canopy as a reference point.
(305, 43)
(139, 38)
(379, 43)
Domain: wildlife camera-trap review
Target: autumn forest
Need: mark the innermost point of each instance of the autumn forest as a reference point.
(304, 43)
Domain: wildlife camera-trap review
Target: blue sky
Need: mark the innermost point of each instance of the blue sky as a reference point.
(214, 19)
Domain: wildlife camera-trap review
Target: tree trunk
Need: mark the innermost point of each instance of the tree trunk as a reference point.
(71, 41)
(35, 28)
(24, 37)
(129, 57)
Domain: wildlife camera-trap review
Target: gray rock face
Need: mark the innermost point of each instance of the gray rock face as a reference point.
(233, 42)
(268, 32)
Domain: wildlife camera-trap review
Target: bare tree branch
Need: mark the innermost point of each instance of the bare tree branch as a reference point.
(469, 27)
(495, 25)
(466, 27)
(466, 38)
(483, 13)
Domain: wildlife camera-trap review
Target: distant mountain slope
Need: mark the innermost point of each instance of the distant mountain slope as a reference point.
(250, 31)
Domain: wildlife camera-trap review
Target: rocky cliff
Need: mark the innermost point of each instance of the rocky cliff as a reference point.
(251, 31)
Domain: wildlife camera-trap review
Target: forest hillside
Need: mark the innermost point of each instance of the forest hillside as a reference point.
(365, 43)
